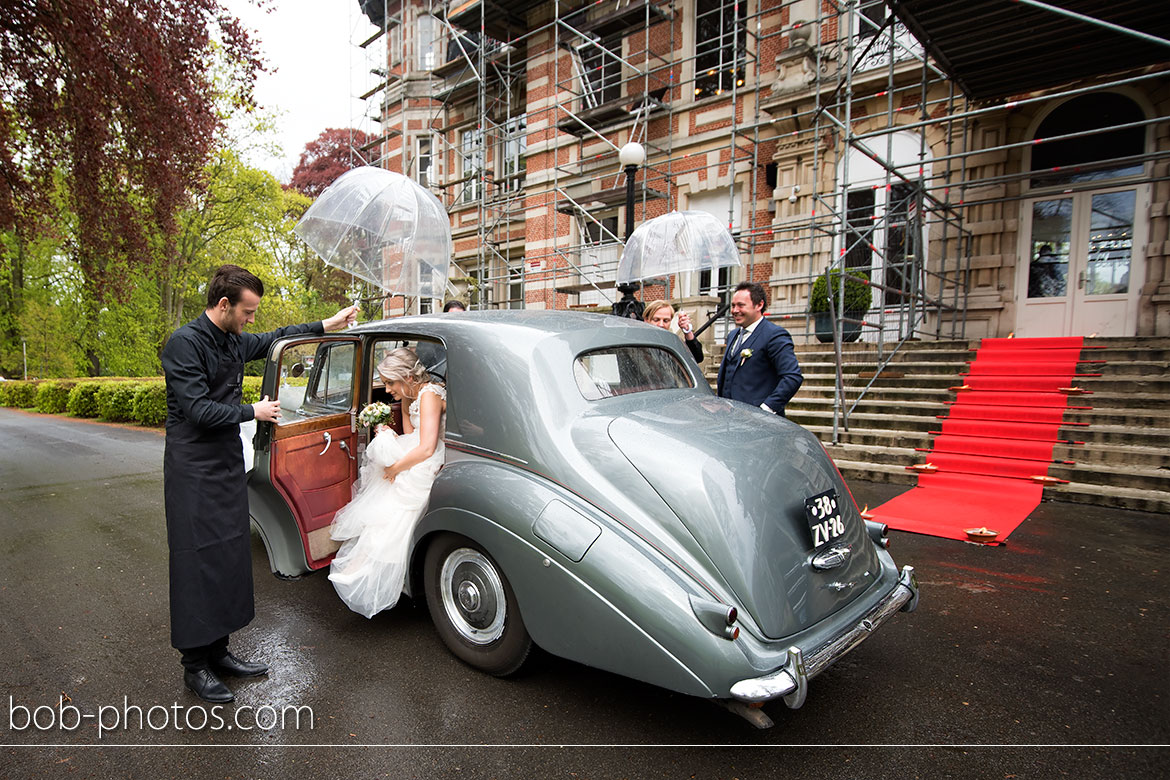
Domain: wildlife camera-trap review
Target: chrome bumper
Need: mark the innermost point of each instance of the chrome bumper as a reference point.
(791, 680)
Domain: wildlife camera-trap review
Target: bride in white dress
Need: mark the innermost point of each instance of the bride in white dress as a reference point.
(369, 570)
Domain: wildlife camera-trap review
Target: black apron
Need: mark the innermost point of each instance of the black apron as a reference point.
(208, 528)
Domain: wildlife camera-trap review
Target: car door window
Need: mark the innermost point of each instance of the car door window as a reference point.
(316, 379)
(432, 354)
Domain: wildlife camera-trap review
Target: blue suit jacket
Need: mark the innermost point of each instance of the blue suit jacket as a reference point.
(770, 376)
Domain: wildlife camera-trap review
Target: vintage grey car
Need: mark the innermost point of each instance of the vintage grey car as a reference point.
(597, 500)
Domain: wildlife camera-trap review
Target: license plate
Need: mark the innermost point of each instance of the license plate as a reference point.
(824, 518)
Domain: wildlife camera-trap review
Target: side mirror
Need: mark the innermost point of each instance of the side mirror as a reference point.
(297, 370)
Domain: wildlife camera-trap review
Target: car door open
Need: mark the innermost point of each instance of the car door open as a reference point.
(311, 451)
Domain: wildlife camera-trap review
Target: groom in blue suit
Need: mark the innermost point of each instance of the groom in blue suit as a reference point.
(759, 366)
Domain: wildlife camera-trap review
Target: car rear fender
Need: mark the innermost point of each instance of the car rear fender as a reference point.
(620, 608)
(569, 617)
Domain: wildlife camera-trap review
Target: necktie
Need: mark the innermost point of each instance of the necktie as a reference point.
(738, 342)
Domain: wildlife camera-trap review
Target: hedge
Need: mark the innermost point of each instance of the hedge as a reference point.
(252, 389)
(83, 399)
(53, 397)
(20, 394)
(115, 400)
(150, 404)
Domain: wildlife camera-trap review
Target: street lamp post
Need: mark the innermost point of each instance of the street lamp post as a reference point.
(631, 156)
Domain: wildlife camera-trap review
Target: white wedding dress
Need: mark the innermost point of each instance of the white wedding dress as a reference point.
(375, 527)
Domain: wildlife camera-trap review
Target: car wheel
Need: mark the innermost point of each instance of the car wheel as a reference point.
(473, 606)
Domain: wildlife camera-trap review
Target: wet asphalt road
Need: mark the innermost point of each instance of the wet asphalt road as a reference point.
(1059, 638)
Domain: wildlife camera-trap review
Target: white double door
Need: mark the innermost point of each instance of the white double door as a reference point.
(1082, 263)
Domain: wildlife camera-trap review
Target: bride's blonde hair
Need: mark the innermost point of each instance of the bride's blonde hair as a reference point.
(403, 365)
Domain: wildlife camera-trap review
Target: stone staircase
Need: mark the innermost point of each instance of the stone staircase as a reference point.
(1124, 461)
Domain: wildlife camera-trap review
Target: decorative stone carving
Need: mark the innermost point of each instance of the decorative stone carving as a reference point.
(796, 68)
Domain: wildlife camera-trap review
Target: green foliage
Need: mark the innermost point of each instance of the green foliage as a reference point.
(51, 306)
(53, 397)
(252, 389)
(858, 294)
(115, 400)
(131, 332)
(19, 394)
(83, 399)
(48, 331)
(150, 404)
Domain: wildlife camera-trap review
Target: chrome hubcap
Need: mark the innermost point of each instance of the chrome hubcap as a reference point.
(473, 596)
(468, 596)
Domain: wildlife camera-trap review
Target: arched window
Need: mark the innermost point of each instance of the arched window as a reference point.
(1092, 157)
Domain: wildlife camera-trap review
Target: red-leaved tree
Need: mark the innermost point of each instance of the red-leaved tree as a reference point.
(333, 153)
(115, 99)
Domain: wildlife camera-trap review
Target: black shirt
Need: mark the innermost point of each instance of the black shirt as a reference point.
(194, 356)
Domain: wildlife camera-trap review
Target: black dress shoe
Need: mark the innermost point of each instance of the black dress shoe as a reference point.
(233, 667)
(204, 684)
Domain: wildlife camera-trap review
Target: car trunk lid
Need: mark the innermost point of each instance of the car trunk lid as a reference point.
(738, 479)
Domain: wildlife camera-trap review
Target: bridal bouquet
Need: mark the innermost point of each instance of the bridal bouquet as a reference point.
(376, 413)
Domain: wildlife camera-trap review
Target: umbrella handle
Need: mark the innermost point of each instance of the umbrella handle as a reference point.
(718, 313)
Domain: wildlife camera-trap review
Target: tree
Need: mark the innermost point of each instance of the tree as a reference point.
(115, 99)
(243, 217)
(236, 203)
(333, 153)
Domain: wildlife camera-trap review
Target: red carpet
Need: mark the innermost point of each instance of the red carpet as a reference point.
(998, 436)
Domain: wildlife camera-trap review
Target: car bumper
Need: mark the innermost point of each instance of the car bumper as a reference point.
(791, 680)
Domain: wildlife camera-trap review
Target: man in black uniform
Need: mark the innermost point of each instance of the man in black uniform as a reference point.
(204, 484)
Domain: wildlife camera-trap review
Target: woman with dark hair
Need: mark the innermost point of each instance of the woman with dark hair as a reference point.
(661, 313)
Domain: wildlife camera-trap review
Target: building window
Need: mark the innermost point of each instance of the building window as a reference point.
(516, 286)
(512, 150)
(873, 51)
(1091, 157)
(603, 231)
(720, 46)
(903, 242)
(471, 153)
(424, 173)
(859, 219)
(871, 16)
(883, 235)
(396, 40)
(601, 71)
(427, 30)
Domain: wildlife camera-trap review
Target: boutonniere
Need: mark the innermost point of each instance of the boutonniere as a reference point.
(744, 355)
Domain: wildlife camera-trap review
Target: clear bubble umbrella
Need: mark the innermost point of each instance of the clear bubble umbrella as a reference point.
(678, 242)
(384, 228)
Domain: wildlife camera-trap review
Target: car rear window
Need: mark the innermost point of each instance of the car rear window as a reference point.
(602, 373)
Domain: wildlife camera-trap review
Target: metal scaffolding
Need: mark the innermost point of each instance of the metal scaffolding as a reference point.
(828, 136)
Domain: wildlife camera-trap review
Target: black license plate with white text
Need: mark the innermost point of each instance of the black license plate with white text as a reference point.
(824, 518)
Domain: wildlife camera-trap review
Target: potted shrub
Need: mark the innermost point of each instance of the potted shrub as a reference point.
(858, 296)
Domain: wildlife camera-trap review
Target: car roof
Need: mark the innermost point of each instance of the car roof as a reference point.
(514, 330)
(551, 322)
(512, 369)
